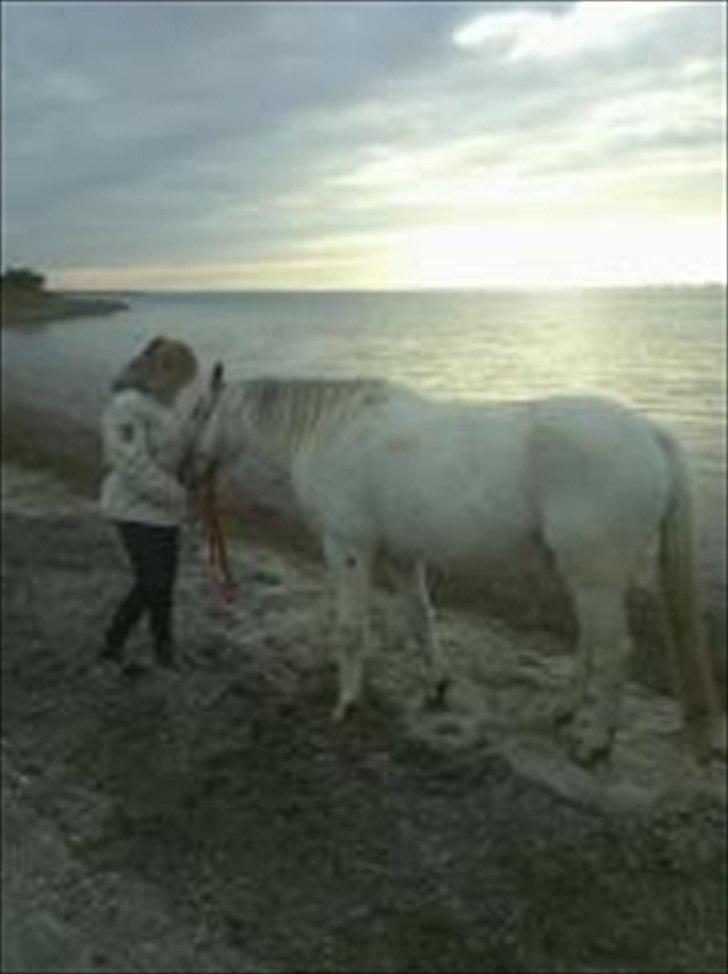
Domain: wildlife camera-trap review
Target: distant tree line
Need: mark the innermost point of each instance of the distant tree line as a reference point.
(23, 279)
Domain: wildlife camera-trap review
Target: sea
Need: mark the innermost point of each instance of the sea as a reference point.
(662, 349)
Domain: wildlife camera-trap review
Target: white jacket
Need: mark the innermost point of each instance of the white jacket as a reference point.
(144, 442)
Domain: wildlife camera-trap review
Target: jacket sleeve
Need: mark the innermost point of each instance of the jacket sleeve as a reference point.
(126, 450)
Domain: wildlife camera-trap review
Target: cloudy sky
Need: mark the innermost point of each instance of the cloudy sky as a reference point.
(373, 145)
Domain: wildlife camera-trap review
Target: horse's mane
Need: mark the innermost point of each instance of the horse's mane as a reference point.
(295, 412)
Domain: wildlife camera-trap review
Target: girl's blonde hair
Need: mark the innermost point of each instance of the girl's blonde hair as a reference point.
(161, 369)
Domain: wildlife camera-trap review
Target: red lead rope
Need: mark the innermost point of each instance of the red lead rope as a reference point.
(217, 559)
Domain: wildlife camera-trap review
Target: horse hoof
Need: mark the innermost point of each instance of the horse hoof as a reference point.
(561, 716)
(436, 698)
(592, 753)
(561, 712)
(340, 712)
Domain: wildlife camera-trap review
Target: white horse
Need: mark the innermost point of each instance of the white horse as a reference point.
(377, 467)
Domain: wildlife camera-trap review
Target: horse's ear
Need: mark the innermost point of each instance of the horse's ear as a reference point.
(216, 378)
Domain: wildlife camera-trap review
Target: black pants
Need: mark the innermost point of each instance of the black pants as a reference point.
(152, 551)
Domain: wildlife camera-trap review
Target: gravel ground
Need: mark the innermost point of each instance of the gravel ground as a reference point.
(215, 820)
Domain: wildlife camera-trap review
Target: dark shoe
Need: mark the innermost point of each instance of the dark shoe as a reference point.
(133, 671)
(110, 654)
(165, 656)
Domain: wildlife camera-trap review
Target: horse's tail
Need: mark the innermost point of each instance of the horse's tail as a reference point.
(684, 631)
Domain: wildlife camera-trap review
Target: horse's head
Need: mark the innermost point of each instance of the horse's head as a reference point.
(207, 449)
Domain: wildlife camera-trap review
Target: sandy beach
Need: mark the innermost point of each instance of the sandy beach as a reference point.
(216, 820)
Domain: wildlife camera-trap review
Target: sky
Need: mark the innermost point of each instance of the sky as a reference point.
(346, 145)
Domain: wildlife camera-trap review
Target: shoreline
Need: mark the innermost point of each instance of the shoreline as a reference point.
(22, 309)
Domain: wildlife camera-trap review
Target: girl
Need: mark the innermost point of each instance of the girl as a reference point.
(144, 444)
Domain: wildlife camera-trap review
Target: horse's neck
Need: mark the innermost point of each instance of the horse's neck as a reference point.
(290, 417)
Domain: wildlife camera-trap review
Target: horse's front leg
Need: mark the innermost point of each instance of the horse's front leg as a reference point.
(421, 622)
(350, 567)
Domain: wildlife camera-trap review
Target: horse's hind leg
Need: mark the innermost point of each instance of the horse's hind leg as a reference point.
(421, 623)
(350, 567)
(570, 700)
(604, 641)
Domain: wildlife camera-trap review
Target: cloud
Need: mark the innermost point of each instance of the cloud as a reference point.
(113, 107)
(585, 27)
(244, 138)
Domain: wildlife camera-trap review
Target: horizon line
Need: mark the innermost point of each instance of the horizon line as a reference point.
(491, 288)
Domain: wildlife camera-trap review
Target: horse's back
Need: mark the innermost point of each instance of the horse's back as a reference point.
(444, 480)
(454, 481)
